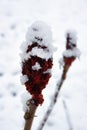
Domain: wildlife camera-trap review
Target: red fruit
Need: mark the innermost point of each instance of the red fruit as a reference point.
(38, 79)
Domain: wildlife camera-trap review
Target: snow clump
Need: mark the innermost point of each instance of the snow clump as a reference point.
(40, 33)
(25, 97)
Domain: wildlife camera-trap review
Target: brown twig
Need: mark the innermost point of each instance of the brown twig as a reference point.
(56, 94)
(29, 116)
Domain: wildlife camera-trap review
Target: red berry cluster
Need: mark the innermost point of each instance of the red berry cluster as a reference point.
(38, 79)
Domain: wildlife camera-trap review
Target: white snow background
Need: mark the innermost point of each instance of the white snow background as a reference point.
(15, 17)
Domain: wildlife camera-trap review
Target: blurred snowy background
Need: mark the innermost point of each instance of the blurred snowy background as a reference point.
(15, 17)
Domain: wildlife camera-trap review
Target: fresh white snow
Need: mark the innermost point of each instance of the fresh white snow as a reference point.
(44, 54)
(25, 97)
(48, 71)
(41, 33)
(24, 79)
(61, 62)
(74, 52)
(15, 18)
(36, 66)
(72, 35)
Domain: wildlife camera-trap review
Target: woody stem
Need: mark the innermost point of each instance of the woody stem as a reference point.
(29, 116)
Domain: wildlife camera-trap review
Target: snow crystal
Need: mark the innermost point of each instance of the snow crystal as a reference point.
(74, 52)
(36, 66)
(73, 36)
(25, 97)
(24, 79)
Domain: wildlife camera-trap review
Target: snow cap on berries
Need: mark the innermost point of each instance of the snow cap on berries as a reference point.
(38, 32)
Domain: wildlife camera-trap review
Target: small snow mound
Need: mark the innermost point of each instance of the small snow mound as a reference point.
(39, 32)
(36, 66)
(23, 79)
(61, 62)
(25, 97)
(72, 34)
(74, 52)
(48, 71)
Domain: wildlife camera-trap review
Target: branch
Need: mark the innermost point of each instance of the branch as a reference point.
(29, 116)
(69, 56)
(54, 100)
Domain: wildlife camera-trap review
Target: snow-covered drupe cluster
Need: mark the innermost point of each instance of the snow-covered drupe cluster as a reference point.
(39, 32)
(71, 47)
(36, 57)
